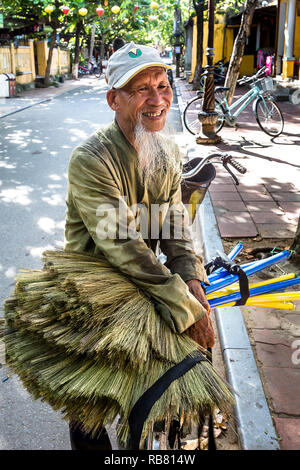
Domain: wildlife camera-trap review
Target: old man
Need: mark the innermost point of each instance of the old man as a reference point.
(127, 175)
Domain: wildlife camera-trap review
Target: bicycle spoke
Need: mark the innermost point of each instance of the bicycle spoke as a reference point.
(190, 116)
(269, 117)
(194, 124)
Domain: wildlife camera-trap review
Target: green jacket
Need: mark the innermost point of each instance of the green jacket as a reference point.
(102, 171)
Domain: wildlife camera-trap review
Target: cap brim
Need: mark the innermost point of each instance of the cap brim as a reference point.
(133, 72)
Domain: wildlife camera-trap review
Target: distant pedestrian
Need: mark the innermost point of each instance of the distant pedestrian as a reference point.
(117, 44)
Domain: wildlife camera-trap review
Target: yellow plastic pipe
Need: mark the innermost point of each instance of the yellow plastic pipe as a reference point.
(235, 287)
(277, 296)
(279, 305)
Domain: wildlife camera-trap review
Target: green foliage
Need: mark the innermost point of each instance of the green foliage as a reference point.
(138, 27)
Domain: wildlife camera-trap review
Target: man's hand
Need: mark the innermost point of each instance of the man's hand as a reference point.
(202, 331)
(196, 289)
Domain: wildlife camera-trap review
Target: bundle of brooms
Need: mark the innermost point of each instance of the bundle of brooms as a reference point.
(84, 338)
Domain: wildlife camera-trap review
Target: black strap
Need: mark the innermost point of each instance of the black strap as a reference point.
(211, 437)
(234, 269)
(144, 404)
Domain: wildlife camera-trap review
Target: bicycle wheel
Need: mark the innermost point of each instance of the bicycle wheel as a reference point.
(97, 72)
(268, 117)
(202, 81)
(221, 116)
(190, 115)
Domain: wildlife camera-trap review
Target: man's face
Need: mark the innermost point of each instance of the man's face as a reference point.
(147, 99)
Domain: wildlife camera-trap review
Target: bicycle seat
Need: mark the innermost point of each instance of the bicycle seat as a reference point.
(221, 88)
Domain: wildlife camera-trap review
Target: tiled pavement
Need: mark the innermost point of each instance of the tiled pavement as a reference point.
(267, 200)
(265, 203)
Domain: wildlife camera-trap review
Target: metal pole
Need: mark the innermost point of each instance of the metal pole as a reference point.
(208, 116)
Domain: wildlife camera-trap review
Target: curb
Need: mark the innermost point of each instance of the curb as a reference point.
(253, 419)
(44, 100)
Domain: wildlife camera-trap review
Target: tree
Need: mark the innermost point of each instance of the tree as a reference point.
(296, 243)
(238, 49)
(31, 11)
(199, 9)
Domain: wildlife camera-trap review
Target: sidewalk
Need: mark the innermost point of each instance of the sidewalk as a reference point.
(262, 211)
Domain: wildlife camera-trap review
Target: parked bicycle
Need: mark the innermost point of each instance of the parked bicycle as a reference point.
(91, 69)
(220, 70)
(266, 111)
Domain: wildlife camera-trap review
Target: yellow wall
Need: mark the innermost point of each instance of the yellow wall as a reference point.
(247, 65)
(223, 43)
(5, 62)
(23, 64)
(60, 59)
(21, 59)
(288, 66)
(297, 37)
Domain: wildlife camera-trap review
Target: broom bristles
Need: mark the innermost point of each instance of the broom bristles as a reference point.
(85, 339)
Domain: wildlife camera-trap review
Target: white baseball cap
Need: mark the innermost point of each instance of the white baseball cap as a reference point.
(128, 61)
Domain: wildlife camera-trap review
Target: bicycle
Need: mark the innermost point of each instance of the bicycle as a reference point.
(266, 111)
(220, 70)
(91, 69)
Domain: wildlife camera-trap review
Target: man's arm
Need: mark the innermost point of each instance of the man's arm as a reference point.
(182, 259)
(97, 198)
(178, 247)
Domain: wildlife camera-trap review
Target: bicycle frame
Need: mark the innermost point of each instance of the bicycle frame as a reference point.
(242, 102)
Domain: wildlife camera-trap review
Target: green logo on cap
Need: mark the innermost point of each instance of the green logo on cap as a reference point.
(134, 53)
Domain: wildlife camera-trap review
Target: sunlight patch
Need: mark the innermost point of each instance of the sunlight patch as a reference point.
(46, 224)
(55, 200)
(55, 177)
(8, 166)
(18, 195)
(10, 272)
(49, 225)
(37, 251)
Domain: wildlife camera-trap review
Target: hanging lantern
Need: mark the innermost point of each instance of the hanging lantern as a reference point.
(65, 9)
(125, 21)
(49, 9)
(152, 18)
(153, 5)
(82, 12)
(115, 9)
(100, 11)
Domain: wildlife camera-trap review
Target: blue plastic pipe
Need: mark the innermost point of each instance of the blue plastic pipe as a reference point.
(274, 287)
(220, 272)
(250, 269)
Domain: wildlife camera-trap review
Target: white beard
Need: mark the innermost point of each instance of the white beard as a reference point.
(155, 155)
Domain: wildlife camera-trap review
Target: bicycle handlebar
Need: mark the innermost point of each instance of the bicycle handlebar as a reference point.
(240, 168)
(258, 74)
(226, 159)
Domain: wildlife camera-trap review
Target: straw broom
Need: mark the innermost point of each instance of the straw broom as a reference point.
(87, 340)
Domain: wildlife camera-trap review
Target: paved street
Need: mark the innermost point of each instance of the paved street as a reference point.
(35, 147)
